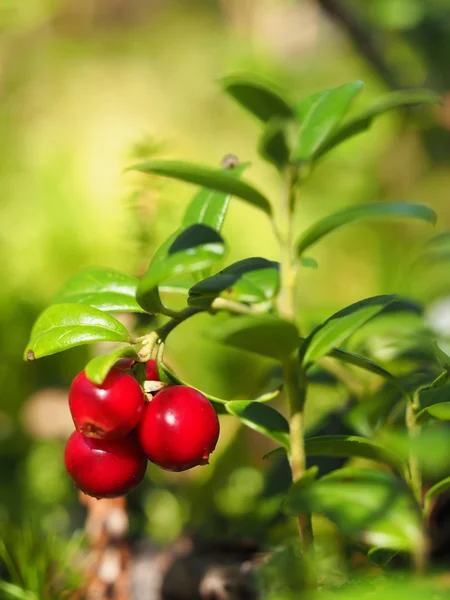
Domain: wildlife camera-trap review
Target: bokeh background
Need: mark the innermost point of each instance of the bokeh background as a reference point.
(86, 88)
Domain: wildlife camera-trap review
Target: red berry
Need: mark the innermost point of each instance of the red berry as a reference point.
(179, 429)
(108, 411)
(105, 468)
(151, 371)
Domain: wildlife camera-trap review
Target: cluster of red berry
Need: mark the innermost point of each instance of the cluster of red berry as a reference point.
(117, 431)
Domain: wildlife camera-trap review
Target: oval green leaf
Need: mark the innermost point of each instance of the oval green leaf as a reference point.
(439, 411)
(363, 120)
(257, 97)
(98, 368)
(371, 506)
(102, 288)
(63, 326)
(340, 326)
(196, 248)
(209, 206)
(220, 180)
(250, 280)
(378, 210)
(262, 418)
(264, 335)
(320, 116)
(435, 491)
(352, 446)
(272, 145)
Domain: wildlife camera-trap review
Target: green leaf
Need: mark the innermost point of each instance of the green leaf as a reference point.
(64, 326)
(209, 206)
(220, 180)
(196, 248)
(250, 280)
(272, 145)
(98, 368)
(298, 488)
(168, 376)
(264, 335)
(257, 97)
(363, 120)
(371, 506)
(366, 364)
(365, 212)
(320, 116)
(439, 411)
(435, 491)
(102, 288)
(340, 326)
(309, 262)
(262, 418)
(352, 446)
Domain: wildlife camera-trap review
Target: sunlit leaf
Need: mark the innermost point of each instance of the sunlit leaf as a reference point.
(371, 506)
(261, 418)
(340, 326)
(98, 368)
(257, 97)
(220, 180)
(250, 280)
(272, 145)
(435, 491)
(320, 117)
(352, 446)
(440, 411)
(64, 326)
(102, 288)
(363, 120)
(264, 335)
(196, 248)
(209, 206)
(381, 210)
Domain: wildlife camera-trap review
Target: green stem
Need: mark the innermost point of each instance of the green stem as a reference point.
(295, 377)
(412, 408)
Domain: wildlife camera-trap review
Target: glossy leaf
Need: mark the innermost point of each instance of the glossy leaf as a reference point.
(64, 326)
(102, 288)
(351, 446)
(435, 491)
(321, 119)
(168, 376)
(220, 180)
(272, 145)
(371, 506)
(257, 97)
(209, 206)
(439, 411)
(261, 418)
(379, 210)
(363, 120)
(250, 280)
(98, 368)
(340, 326)
(196, 248)
(366, 364)
(264, 335)
(298, 488)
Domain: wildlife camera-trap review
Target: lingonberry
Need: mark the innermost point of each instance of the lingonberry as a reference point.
(151, 371)
(105, 468)
(179, 428)
(108, 411)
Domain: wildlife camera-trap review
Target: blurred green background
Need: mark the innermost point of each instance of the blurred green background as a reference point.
(88, 87)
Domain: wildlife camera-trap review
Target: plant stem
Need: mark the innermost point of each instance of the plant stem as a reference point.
(415, 476)
(295, 378)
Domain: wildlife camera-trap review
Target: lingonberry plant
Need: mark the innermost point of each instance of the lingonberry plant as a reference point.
(178, 428)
